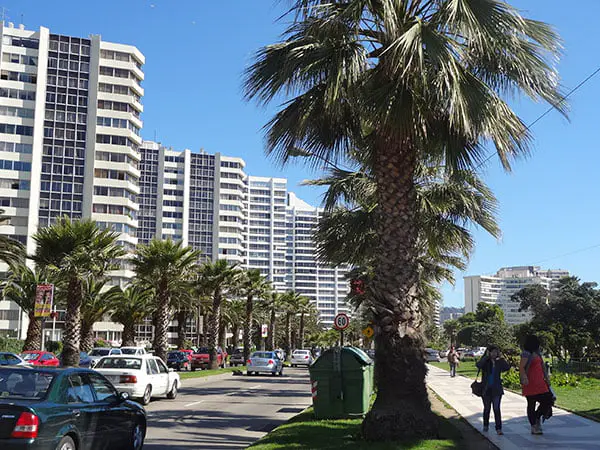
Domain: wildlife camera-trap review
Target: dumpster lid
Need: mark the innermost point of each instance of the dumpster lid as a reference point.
(360, 355)
(327, 359)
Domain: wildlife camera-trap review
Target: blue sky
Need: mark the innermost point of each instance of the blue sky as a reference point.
(196, 52)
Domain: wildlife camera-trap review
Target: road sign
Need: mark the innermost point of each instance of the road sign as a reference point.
(264, 330)
(44, 294)
(368, 332)
(341, 321)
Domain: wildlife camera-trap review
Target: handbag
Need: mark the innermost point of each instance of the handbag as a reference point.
(477, 386)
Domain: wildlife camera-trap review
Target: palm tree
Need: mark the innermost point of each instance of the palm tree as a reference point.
(273, 304)
(451, 329)
(166, 267)
(291, 306)
(130, 308)
(216, 279)
(98, 299)
(74, 252)
(233, 315)
(305, 307)
(184, 303)
(410, 81)
(11, 251)
(252, 285)
(20, 287)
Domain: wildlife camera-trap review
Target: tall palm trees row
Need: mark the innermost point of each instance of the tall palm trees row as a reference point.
(78, 256)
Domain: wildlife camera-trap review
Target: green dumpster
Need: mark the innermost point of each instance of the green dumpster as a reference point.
(342, 383)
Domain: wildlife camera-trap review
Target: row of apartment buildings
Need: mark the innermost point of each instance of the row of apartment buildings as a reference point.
(70, 144)
(499, 288)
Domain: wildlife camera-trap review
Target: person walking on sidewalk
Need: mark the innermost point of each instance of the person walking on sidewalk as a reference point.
(492, 364)
(453, 360)
(535, 384)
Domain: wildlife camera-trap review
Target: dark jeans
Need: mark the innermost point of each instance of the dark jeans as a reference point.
(545, 401)
(452, 369)
(488, 402)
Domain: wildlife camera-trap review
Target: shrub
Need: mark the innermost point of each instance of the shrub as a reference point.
(54, 347)
(101, 343)
(511, 379)
(11, 345)
(564, 379)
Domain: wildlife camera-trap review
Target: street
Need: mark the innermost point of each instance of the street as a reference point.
(227, 412)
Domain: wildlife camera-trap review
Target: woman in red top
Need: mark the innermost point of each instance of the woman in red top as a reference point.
(534, 383)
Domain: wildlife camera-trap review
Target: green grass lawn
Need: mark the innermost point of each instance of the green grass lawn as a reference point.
(206, 373)
(583, 399)
(304, 432)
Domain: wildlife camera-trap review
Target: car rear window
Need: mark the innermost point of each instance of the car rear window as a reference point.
(175, 355)
(30, 356)
(129, 351)
(24, 383)
(262, 355)
(100, 352)
(301, 352)
(119, 363)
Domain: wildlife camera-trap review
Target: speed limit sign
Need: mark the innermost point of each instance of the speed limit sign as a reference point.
(341, 321)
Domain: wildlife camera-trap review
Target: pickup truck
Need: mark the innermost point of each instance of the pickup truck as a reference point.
(201, 358)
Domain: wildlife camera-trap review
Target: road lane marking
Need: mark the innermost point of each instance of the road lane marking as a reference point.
(255, 387)
(194, 403)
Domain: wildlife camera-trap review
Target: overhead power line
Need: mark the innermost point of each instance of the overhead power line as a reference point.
(547, 111)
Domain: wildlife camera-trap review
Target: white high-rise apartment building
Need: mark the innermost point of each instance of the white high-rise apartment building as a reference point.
(69, 137)
(196, 198)
(498, 289)
(326, 286)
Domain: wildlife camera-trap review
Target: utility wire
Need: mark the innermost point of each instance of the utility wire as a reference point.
(545, 113)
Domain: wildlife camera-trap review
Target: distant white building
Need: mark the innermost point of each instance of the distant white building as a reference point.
(498, 289)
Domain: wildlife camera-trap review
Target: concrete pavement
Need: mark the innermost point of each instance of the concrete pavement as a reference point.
(228, 412)
(563, 431)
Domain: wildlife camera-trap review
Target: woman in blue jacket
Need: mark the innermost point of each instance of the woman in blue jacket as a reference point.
(492, 364)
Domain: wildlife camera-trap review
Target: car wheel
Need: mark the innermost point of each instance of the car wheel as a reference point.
(137, 437)
(281, 372)
(193, 369)
(273, 374)
(147, 395)
(249, 373)
(66, 443)
(173, 392)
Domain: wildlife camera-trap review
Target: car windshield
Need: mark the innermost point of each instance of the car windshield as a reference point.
(238, 351)
(100, 352)
(23, 383)
(129, 351)
(202, 350)
(83, 355)
(30, 356)
(119, 363)
(262, 355)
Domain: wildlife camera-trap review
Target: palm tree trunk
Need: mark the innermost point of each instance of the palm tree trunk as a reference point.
(162, 316)
(87, 336)
(301, 331)
(222, 333)
(72, 332)
(235, 330)
(33, 341)
(402, 408)
(213, 330)
(288, 334)
(248, 327)
(128, 337)
(181, 323)
(271, 342)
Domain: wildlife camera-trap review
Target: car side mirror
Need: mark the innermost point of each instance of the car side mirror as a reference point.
(123, 396)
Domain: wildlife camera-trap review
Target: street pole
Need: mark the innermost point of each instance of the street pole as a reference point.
(43, 333)
(341, 338)
(54, 324)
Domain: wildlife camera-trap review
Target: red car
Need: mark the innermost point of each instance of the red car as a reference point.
(201, 358)
(188, 353)
(39, 358)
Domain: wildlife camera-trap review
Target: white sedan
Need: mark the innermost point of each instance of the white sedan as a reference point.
(301, 358)
(140, 376)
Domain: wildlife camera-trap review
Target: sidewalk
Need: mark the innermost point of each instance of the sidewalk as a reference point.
(564, 431)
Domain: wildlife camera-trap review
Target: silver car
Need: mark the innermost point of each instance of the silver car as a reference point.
(301, 358)
(266, 362)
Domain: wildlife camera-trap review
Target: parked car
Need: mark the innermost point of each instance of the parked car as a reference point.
(301, 358)
(140, 376)
(201, 358)
(10, 359)
(237, 357)
(133, 351)
(84, 359)
(99, 352)
(261, 362)
(443, 354)
(50, 408)
(432, 355)
(178, 360)
(40, 358)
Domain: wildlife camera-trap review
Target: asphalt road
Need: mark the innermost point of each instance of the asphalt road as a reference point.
(227, 412)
